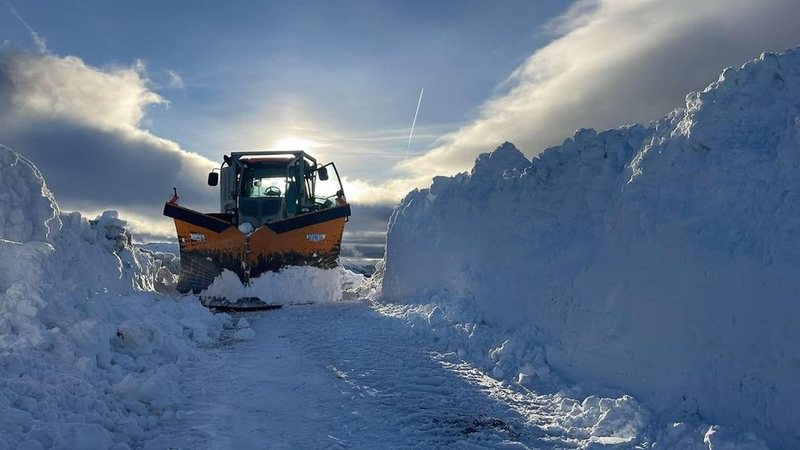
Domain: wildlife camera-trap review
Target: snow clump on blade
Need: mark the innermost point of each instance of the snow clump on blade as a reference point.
(293, 284)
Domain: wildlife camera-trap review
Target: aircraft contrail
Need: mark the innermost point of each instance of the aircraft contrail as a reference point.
(411, 135)
(38, 39)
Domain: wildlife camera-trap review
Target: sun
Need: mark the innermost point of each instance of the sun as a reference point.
(293, 143)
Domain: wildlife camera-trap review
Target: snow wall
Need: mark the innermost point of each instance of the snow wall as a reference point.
(89, 349)
(658, 259)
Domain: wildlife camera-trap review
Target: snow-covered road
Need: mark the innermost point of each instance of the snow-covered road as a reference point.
(344, 376)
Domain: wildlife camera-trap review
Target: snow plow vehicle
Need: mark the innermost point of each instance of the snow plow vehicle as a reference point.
(273, 214)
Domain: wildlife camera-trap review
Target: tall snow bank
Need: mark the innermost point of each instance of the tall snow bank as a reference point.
(658, 259)
(88, 348)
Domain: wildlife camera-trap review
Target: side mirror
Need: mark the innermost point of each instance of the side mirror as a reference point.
(213, 179)
(323, 173)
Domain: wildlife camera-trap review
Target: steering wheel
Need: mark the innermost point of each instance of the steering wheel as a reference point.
(272, 191)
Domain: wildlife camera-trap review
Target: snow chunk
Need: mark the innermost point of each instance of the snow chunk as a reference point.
(244, 334)
(504, 158)
(28, 211)
(246, 228)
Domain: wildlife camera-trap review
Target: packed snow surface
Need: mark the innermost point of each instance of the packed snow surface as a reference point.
(658, 259)
(343, 375)
(364, 375)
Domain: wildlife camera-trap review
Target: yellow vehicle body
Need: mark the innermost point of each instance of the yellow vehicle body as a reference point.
(272, 217)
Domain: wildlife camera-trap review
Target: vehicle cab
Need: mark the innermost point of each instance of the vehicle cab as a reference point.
(264, 187)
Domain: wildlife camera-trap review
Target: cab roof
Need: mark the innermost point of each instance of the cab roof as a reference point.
(276, 155)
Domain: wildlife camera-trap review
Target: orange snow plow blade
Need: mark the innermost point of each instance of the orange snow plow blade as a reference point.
(210, 244)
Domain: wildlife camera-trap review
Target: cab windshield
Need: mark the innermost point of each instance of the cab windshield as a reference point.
(261, 182)
(264, 187)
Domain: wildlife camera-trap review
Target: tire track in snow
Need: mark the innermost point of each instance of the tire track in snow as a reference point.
(427, 398)
(345, 376)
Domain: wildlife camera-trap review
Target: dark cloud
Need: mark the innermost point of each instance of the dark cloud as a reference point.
(367, 219)
(80, 125)
(365, 234)
(96, 169)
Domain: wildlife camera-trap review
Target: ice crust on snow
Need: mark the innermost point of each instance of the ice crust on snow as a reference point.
(657, 259)
(89, 349)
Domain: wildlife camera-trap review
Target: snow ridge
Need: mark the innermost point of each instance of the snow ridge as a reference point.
(658, 259)
(18, 197)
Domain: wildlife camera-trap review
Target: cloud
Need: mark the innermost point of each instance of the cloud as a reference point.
(365, 234)
(614, 62)
(174, 80)
(372, 193)
(64, 88)
(81, 125)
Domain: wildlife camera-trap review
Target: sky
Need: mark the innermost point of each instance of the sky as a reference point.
(117, 102)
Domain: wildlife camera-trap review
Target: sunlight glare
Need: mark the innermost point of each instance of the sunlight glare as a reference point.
(293, 143)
